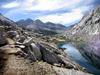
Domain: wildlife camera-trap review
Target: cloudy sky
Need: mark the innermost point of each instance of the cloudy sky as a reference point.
(66, 12)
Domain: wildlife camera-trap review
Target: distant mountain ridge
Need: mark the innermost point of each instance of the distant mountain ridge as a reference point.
(39, 25)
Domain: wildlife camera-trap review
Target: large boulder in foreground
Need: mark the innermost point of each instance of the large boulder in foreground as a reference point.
(36, 50)
(48, 56)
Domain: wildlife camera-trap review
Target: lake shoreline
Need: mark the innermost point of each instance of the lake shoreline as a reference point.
(83, 61)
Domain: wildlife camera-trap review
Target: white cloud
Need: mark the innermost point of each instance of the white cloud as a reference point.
(45, 5)
(28, 4)
(83, 9)
(53, 4)
(11, 5)
(66, 18)
(76, 8)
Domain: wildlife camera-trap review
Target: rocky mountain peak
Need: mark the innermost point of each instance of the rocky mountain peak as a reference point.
(48, 23)
(38, 21)
(89, 25)
(29, 20)
(97, 9)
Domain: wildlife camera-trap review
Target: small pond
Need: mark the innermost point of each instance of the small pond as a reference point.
(75, 55)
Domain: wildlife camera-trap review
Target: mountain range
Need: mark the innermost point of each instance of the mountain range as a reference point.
(39, 25)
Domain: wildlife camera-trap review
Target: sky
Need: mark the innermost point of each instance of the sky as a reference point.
(66, 12)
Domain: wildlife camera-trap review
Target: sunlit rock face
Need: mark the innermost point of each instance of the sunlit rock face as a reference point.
(89, 25)
(89, 30)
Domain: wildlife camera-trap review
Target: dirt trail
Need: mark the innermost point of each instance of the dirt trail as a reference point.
(17, 65)
(14, 64)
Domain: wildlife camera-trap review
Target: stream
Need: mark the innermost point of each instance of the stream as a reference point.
(75, 55)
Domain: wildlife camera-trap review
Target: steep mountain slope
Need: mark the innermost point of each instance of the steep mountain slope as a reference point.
(89, 25)
(39, 25)
(87, 36)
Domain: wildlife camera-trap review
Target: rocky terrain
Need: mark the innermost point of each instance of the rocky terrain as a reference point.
(86, 35)
(23, 52)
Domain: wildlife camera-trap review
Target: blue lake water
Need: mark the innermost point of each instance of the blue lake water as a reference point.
(75, 55)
